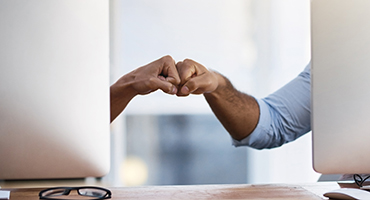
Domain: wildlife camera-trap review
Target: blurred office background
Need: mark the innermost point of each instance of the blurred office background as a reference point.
(160, 139)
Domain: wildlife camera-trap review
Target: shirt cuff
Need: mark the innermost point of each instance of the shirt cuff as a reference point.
(256, 138)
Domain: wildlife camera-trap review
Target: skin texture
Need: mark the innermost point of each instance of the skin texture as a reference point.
(160, 74)
(237, 111)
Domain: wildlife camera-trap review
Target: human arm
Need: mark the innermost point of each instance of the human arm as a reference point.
(160, 74)
(285, 115)
(237, 111)
(259, 123)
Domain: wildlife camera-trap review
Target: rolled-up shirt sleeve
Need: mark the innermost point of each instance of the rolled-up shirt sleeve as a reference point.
(285, 115)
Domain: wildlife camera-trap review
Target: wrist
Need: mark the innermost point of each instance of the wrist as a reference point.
(221, 85)
(122, 89)
(120, 96)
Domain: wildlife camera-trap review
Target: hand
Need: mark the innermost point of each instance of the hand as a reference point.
(160, 74)
(195, 78)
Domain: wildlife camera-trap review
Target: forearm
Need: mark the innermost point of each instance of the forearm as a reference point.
(238, 112)
(284, 115)
(159, 74)
(120, 96)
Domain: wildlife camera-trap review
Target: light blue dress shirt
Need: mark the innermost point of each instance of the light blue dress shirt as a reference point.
(285, 114)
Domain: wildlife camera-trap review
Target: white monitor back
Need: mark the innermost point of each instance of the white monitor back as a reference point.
(341, 86)
(54, 88)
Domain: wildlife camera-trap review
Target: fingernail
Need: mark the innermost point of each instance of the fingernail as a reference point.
(185, 90)
(174, 90)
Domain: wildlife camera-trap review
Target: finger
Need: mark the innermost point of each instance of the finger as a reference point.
(162, 78)
(165, 86)
(169, 70)
(183, 91)
(186, 70)
(190, 86)
(203, 83)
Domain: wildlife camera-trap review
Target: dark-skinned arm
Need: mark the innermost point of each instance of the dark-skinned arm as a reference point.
(160, 74)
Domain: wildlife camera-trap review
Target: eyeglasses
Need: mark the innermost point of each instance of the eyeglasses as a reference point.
(90, 192)
(359, 180)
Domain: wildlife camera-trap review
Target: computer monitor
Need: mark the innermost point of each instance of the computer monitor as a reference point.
(54, 89)
(341, 86)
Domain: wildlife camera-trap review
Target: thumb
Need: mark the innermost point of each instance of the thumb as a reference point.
(165, 85)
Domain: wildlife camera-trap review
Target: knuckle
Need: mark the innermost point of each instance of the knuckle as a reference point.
(191, 85)
(187, 60)
(178, 64)
(150, 83)
(208, 82)
(167, 58)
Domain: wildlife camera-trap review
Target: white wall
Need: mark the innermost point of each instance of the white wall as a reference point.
(283, 42)
(218, 34)
(258, 44)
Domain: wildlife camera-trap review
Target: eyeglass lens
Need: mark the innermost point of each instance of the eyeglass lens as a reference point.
(88, 192)
(56, 192)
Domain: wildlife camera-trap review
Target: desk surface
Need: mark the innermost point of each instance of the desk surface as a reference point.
(239, 191)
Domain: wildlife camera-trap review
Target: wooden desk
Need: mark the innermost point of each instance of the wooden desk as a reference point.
(240, 191)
